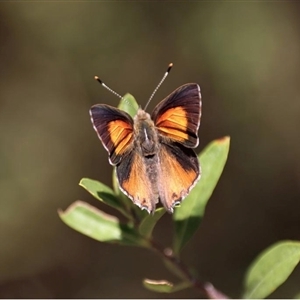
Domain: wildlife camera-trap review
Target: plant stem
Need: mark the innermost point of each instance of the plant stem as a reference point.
(206, 288)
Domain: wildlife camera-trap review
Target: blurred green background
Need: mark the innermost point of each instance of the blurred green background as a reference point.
(245, 57)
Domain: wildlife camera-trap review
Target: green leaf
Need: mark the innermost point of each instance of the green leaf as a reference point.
(115, 183)
(147, 225)
(271, 268)
(100, 226)
(129, 104)
(163, 286)
(103, 193)
(188, 216)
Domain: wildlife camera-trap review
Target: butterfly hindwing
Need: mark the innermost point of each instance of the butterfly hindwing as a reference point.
(177, 117)
(115, 130)
(134, 180)
(178, 172)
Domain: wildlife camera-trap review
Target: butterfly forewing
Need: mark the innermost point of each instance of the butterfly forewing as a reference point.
(177, 117)
(115, 130)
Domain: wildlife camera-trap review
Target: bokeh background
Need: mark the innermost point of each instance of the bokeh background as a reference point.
(246, 58)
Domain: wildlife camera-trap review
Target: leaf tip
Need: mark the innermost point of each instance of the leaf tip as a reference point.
(128, 95)
(157, 282)
(224, 140)
(70, 207)
(60, 212)
(81, 182)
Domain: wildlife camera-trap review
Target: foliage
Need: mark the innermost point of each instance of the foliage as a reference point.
(268, 271)
(271, 268)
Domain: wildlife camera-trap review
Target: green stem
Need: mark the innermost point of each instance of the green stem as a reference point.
(206, 288)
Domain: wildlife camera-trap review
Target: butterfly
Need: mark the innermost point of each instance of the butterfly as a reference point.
(153, 154)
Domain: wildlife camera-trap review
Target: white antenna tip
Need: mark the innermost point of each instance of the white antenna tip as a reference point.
(170, 67)
(162, 80)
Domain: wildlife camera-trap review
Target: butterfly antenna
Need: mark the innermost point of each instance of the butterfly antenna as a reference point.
(108, 88)
(160, 83)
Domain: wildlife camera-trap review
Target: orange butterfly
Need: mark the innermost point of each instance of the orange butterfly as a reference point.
(153, 154)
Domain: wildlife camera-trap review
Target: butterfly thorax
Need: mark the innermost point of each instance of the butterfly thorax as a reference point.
(146, 139)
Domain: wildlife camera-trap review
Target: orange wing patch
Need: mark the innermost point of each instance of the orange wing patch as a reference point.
(115, 130)
(177, 176)
(173, 124)
(177, 117)
(120, 134)
(136, 184)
